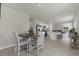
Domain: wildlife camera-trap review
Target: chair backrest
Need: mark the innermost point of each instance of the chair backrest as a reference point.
(18, 38)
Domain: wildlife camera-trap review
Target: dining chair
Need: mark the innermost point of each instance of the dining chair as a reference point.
(22, 44)
(37, 43)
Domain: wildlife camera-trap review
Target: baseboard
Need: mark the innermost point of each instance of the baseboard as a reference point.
(8, 46)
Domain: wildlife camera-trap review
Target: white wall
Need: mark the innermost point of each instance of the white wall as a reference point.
(59, 26)
(34, 22)
(11, 21)
(76, 24)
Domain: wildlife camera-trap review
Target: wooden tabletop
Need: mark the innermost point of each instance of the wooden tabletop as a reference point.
(28, 35)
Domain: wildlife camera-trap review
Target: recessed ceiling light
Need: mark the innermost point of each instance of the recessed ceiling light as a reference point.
(39, 5)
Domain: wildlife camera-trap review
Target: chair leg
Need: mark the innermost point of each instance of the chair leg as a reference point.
(37, 51)
(28, 49)
(18, 52)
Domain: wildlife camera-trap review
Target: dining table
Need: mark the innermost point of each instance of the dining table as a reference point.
(29, 37)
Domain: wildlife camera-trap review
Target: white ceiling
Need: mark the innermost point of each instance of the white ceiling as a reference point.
(47, 12)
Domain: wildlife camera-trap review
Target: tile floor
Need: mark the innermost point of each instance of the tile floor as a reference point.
(59, 48)
(52, 48)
